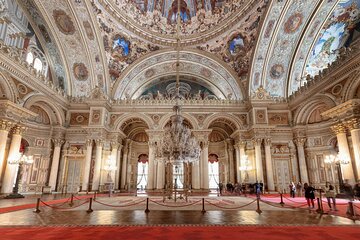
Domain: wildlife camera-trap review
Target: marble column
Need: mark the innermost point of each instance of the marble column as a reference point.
(230, 151)
(344, 153)
(118, 165)
(160, 175)
(10, 169)
(240, 158)
(151, 174)
(354, 127)
(124, 164)
(300, 143)
(97, 168)
(87, 166)
(205, 165)
(55, 163)
(258, 160)
(269, 166)
(195, 175)
(3, 28)
(5, 127)
(113, 155)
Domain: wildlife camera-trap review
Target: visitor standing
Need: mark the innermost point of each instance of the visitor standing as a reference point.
(299, 189)
(292, 188)
(309, 195)
(330, 195)
(357, 190)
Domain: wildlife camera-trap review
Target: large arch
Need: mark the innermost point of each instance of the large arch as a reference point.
(194, 63)
(303, 113)
(41, 100)
(231, 118)
(7, 88)
(191, 119)
(126, 117)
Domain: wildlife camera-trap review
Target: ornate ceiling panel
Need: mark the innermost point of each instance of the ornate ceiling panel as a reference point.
(191, 63)
(156, 20)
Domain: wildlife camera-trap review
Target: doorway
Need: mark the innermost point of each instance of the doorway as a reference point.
(73, 176)
(282, 175)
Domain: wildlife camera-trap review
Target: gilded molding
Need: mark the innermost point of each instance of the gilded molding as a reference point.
(6, 125)
(300, 141)
(338, 128)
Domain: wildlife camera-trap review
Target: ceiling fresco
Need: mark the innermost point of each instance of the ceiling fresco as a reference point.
(160, 16)
(231, 48)
(339, 31)
(188, 90)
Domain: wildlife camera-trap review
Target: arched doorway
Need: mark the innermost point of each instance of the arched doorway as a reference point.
(142, 171)
(213, 171)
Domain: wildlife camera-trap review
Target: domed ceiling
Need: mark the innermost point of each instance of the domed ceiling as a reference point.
(228, 47)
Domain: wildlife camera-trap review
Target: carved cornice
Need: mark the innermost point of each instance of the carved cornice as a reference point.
(6, 125)
(353, 124)
(344, 110)
(13, 111)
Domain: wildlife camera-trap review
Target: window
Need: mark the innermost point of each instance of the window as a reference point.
(38, 64)
(30, 58)
(142, 172)
(37, 59)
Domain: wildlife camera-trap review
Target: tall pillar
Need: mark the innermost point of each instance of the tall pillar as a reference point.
(205, 165)
(55, 163)
(258, 160)
(300, 143)
(151, 174)
(230, 151)
(124, 164)
(3, 28)
(195, 175)
(354, 127)
(5, 127)
(240, 158)
(113, 154)
(10, 169)
(97, 168)
(160, 175)
(118, 165)
(86, 173)
(344, 153)
(269, 166)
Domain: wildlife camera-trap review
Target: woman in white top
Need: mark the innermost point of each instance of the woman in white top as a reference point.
(330, 194)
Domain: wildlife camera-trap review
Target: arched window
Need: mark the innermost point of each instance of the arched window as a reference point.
(142, 173)
(213, 171)
(38, 64)
(37, 59)
(29, 58)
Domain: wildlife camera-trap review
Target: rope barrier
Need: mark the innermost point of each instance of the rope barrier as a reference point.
(245, 205)
(65, 208)
(358, 207)
(292, 200)
(185, 205)
(287, 206)
(109, 205)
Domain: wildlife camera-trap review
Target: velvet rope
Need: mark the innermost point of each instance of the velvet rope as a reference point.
(64, 208)
(109, 205)
(230, 207)
(185, 205)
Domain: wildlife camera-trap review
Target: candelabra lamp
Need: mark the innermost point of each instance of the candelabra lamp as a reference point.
(22, 161)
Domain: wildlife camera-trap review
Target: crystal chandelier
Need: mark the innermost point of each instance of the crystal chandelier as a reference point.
(177, 144)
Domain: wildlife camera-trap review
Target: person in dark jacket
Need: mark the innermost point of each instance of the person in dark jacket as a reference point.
(309, 194)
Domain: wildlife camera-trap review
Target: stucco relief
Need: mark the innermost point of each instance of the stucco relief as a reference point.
(80, 71)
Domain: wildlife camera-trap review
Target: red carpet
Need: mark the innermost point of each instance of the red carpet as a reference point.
(181, 232)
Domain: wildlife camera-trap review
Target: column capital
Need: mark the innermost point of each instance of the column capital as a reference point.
(338, 128)
(267, 141)
(19, 130)
(99, 142)
(6, 125)
(257, 141)
(300, 141)
(114, 145)
(58, 142)
(353, 124)
(89, 142)
(240, 144)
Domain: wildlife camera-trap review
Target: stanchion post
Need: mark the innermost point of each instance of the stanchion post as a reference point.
(90, 210)
(71, 200)
(37, 210)
(203, 206)
(319, 210)
(281, 199)
(147, 206)
(258, 210)
(351, 212)
(95, 195)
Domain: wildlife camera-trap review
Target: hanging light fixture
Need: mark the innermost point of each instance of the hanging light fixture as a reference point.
(177, 144)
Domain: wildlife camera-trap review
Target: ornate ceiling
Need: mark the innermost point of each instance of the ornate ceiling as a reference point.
(229, 47)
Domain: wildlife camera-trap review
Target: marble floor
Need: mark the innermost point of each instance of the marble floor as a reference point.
(247, 216)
